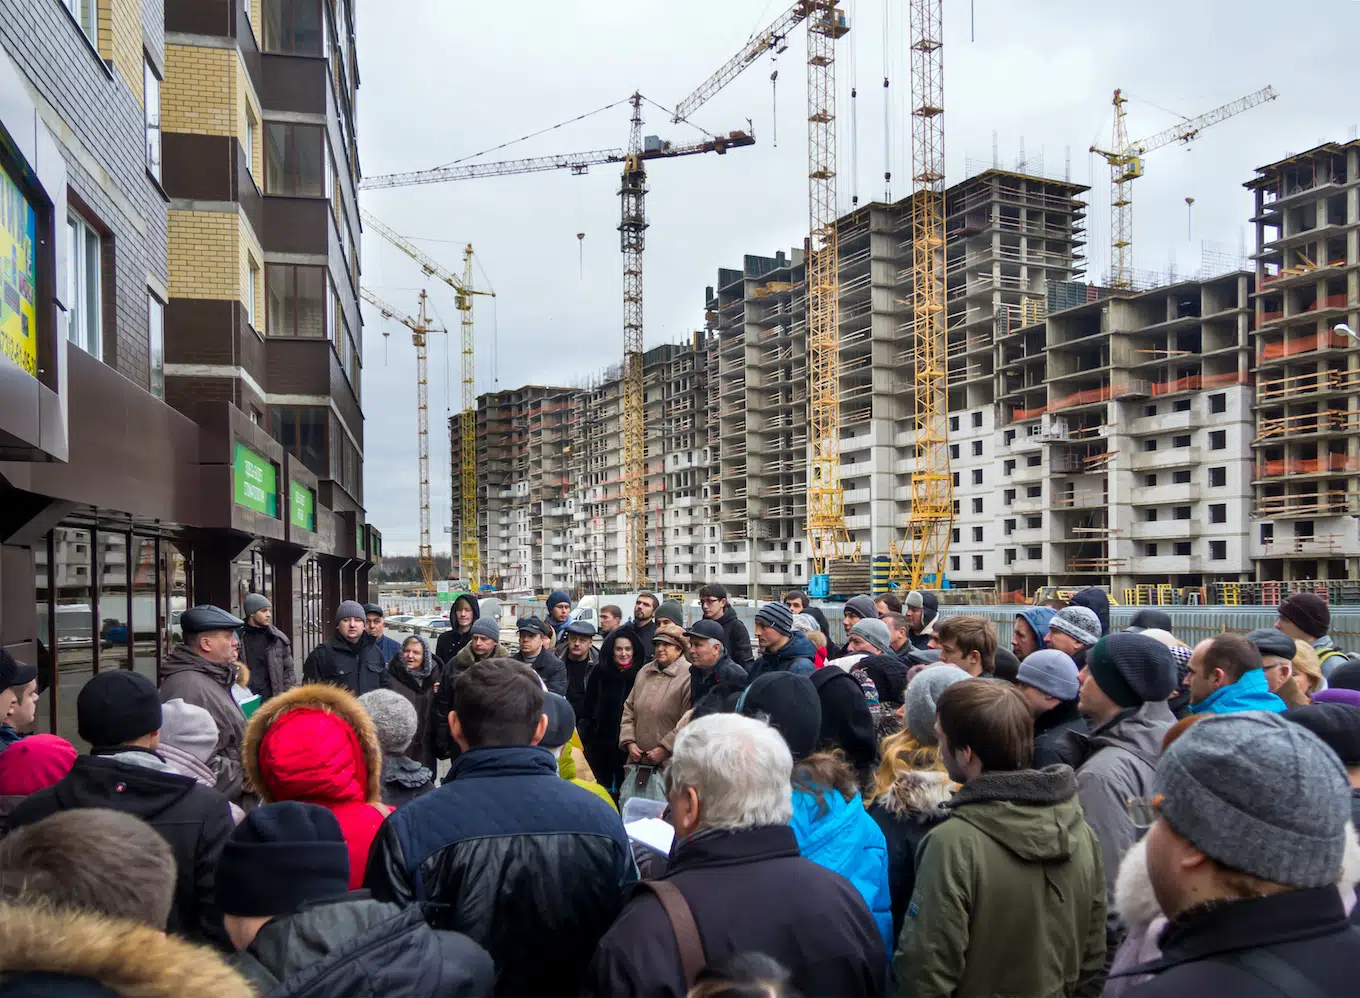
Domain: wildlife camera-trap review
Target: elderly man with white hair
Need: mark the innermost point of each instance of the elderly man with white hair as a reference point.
(736, 876)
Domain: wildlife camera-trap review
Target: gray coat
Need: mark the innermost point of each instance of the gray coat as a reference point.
(1121, 757)
(188, 677)
(273, 673)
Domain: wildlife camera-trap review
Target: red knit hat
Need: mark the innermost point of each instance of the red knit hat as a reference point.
(34, 763)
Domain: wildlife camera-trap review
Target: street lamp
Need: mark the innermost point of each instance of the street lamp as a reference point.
(1341, 327)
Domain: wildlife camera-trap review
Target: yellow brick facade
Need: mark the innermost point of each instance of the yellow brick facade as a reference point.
(247, 110)
(120, 41)
(199, 91)
(211, 253)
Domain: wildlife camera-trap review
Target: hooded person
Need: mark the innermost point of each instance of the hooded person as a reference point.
(265, 649)
(1124, 688)
(414, 672)
(1031, 630)
(483, 642)
(462, 615)
(202, 671)
(782, 648)
(1337, 723)
(847, 721)
(285, 874)
(888, 673)
(397, 723)
(1050, 684)
(806, 624)
(1150, 618)
(350, 658)
(607, 690)
(316, 743)
(1096, 600)
(36, 763)
(713, 601)
(187, 739)
(921, 610)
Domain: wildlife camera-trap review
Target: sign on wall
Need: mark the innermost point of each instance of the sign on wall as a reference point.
(18, 276)
(254, 481)
(301, 506)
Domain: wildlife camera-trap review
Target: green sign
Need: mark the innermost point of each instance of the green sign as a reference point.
(301, 506)
(358, 539)
(254, 482)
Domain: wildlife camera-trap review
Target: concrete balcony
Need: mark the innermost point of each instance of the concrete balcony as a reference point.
(1025, 504)
(860, 495)
(1024, 474)
(1158, 495)
(1174, 457)
(1166, 422)
(1164, 529)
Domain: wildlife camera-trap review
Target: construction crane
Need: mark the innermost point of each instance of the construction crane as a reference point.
(921, 559)
(1126, 165)
(420, 330)
(828, 538)
(469, 552)
(632, 227)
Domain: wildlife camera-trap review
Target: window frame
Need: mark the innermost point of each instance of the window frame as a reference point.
(82, 11)
(77, 262)
(290, 174)
(155, 344)
(289, 321)
(151, 79)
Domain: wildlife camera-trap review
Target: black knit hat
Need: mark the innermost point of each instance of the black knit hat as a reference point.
(846, 722)
(280, 857)
(791, 704)
(889, 674)
(116, 707)
(1337, 724)
(1132, 669)
(1308, 612)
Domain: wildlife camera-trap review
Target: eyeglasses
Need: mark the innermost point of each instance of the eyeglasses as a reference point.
(708, 601)
(1144, 811)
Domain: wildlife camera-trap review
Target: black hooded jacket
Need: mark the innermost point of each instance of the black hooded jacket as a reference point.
(194, 820)
(451, 642)
(847, 723)
(1050, 733)
(358, 666)
(353, 946)
(738, 638)
(606, 689)
(418, 687)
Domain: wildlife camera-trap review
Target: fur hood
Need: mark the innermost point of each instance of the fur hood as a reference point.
(131, 960)
(918, 793)
(317, 696)
(1137, 904)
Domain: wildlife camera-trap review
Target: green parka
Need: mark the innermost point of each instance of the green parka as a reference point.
(1010, 894)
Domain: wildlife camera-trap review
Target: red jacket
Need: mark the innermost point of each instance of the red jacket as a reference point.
(315, 743)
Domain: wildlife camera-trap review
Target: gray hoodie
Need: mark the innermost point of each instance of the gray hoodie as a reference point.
(188, 739)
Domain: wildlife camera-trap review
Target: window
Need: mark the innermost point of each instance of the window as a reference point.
(152, 103)
(1181, 513)
(953, 452)
(1150, 410)
(301, 430)
(954, 563)
(1181, 441)
(1218, 477)
(1010, 555)
(1150, 481)
(294, 159)
(1008, 527)
(1150, 550)
(1034, 491)
(977, 562)
(155, 337)
(1034, 522)
(977, 448)
(1150, 514)
(1034, 553)
(1008, 497)
(85, 13)
(294, 26)
(956, 479)
(956, 535)
(977, 420)
(1267, 533)
(977, 535)
(346, 466)
(1008, 437)
(1181, 549)
(1180, 405)
(1303, 528)
(1034, 460)
(83, 291)
(252, 284)
(1218, 512)
(1150, 444)
(1218, 440)
(296, 300)
(1181, 477)
(954, 424)
(977, 476)
(1008, 467)
(956, 507)
(1218, 550)
(248, 141)
(977, 505)
(1218, 403)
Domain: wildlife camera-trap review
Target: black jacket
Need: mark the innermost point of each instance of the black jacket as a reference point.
(268, 654)
(451, 642)
(194, 820)
(703, 681)
(905, 812)
(738, 640)
(577, 674)
(847, 723)
(419, 688)
(354, 947)
(404, 779)
(645, 633)
(749, 891)
(358, 667)
(598, 724)
(528, 864)
(1306, 929)
(1050, 730)
(550, 669)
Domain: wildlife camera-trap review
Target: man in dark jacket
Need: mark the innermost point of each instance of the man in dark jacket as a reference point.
(1248, 833)
(1048, 680)
(462, 616)
(922, 610)
(529, 865)
(736, 639)
(284, 877)
(736, 867)
(558, 610)
(266, 650)
(350, 658)
(483, 642)
(579, 655)
(375, 623)
(202, 672)
(644, 621)
(781, 650)
(119, 713)
(709, 664)
(535, 651)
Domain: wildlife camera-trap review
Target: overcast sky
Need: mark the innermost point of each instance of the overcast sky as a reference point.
(446, 79)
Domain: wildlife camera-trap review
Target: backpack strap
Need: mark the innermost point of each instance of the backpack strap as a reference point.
(692, 959)
(1280, 974)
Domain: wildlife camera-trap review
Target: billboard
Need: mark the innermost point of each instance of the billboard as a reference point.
(18, 276)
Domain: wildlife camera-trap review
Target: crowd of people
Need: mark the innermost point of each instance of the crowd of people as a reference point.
(918, 811)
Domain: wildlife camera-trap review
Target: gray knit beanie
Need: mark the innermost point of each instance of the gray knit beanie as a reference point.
(875, 632)
(864, 606)
(776, 615)
(393, 716)
(1077, 622)
(486, 627)
(1256, 793)
(923, 693)
(349, 608)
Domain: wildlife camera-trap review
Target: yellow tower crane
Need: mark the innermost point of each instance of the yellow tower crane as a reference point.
(827, 535)
(469, 553)
(1125, 159)
(420, 330)
(632, 226)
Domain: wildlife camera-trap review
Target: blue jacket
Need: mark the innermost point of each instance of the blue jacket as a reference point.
(1251, 692)
(390, 647)
(529, 865)
(796, 656)
(841, 836)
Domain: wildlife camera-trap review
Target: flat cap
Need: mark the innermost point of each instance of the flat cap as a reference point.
(1269, 641)
(199, 619)
(533, 626)
(582, 627)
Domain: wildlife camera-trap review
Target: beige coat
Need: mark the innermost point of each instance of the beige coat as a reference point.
(652, 712)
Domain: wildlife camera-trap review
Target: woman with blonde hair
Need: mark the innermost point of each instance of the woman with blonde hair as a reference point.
(1307, 670)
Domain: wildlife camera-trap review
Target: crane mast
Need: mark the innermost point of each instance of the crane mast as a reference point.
(632, 230)
(470, 556)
